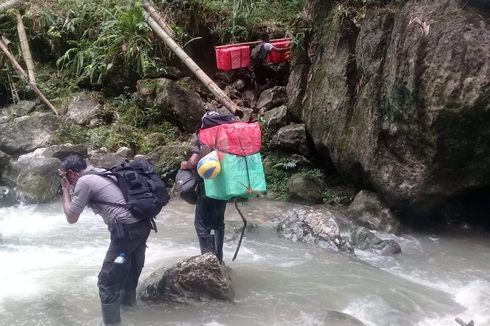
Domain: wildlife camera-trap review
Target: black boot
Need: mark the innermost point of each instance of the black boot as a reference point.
(111, 314)
(219, 236)
(207, 244)
(127, 298)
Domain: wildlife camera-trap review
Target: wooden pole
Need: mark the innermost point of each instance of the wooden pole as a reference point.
(23, 74)
(24, 45)
(203, 77)
(10, 4)
(154, 14)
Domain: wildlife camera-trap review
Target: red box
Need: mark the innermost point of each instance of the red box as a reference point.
(233, 56)
(278, 57)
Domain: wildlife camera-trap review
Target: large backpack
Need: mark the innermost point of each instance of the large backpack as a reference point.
(143, 189)
(258, 53)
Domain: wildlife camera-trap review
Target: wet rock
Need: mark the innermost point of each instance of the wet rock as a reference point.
(293, 138)
(176, 101)
(401, 100)
(272, 98)
(7, 197)
(276, 118)
(4, 161)
(25, 134)
(36, 178)
(196, 278)
(305, 188)
(331, 229)
(337, 318)
(368, 210)
(82, 109)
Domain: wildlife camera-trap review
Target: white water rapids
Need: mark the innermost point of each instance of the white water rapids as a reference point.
(49, 270)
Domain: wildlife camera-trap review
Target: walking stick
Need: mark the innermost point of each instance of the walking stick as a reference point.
(243, 230)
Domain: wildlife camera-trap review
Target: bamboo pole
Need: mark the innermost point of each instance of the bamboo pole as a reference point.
(24, 45)
(10, 4)
(23, 74)
(203, 77)
(154, 14)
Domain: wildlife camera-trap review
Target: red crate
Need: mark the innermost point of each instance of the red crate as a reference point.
(233, 56)
(278, 57)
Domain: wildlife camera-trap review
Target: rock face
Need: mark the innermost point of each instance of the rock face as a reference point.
(271, 98)
(276, 118)
(176, 101)
(401, 100)
(196, 278)
(331, 229)
(25, 134)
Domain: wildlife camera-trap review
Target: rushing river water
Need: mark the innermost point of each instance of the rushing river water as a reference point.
(49, 270)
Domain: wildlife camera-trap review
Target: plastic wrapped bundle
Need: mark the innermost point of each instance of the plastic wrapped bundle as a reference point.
(241, 176)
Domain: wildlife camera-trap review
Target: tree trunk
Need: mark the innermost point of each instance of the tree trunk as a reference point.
(23, 74)
(24, 45)
(10, 4)
(200, 74)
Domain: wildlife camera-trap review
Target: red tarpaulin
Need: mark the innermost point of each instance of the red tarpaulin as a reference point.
(238, 138)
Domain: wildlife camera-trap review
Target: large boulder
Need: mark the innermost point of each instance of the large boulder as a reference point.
(194, 279)
(176, 100)
(36, 178)
(83, 109)
(293, 138)
(25, 134)
(305, 188)
(276, 118)
(271, 98)
(401, 101)
(368, 210)
(331, 229)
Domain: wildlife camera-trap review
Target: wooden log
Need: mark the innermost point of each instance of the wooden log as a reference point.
(24, 45)
(196, 70)
(10, 4)
(23, 74)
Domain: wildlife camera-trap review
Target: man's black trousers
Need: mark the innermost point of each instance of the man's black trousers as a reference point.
(210, 215)
(115, 277)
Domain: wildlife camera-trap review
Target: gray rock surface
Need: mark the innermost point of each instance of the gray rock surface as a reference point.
(400, 100)
(25, 134)
(331, 229)
(293, 138)
(305, 188)
(36, 178)
(83, 109)
(272, 98)
(196, 278)
(368, 210)
(176, 100)
(276, 118)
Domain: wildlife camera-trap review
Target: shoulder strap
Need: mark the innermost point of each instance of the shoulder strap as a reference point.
(107, 174)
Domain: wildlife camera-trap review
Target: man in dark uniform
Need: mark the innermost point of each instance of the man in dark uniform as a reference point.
(125, 256)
